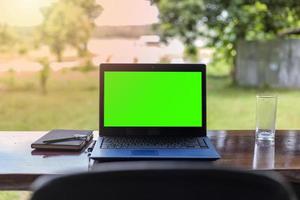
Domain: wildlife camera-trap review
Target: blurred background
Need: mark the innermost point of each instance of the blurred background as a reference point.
(50, 51)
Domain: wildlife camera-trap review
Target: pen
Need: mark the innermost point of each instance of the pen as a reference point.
(75, 137)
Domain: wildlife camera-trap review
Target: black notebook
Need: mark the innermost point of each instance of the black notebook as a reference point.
(72, 144)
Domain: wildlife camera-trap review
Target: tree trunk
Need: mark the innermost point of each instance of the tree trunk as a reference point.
(58, 53)
(233, 71)
(82, 49)
(85, 46)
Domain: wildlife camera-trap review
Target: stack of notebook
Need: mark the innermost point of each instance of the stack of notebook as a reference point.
(64, 140)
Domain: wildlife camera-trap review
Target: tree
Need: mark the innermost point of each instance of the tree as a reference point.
(54, 27)
(91, 11)
(8, 38)
(69, 22)
(180, 19)
(44, 73)
(225, 22)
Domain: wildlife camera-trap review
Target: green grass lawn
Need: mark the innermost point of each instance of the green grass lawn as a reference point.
(232, 107)
(72, 102)
(11, 195)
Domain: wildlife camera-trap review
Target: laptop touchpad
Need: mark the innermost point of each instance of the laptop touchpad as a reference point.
(145, 152)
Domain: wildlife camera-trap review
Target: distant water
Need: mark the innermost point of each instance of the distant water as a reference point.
(126, 50)
(112, 50)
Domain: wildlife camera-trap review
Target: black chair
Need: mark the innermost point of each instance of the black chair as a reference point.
(296, 187)
(162, 181)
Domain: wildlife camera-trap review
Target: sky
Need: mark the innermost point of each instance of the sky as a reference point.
(127, 12)
(116, 12)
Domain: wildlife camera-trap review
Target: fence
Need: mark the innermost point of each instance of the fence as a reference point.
(273, 63)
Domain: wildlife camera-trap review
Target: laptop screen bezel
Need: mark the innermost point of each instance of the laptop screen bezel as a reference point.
(160, 131)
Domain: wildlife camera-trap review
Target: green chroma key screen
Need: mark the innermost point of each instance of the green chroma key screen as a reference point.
(152, 99)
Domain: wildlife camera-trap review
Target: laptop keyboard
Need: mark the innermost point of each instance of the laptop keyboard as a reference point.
(151, 142)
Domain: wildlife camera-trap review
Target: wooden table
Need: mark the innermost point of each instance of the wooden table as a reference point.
(20, 165)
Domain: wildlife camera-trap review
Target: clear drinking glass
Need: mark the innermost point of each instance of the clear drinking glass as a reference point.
(264, 154)
(266, 107)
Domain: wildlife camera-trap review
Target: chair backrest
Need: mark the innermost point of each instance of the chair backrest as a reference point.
(162, 181)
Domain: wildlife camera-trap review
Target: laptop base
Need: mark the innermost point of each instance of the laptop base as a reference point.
(102, 155)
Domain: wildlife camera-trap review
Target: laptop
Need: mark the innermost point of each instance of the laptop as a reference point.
(153, 111)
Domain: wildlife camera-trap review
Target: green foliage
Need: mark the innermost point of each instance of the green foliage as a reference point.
(22, 50)
(224, 23)
(86, 66)
(191, 53)
(229, 22)
(218, 68)
(180, 19)
(69, 22)
(44, 73)
(90, 8)
(8, 38)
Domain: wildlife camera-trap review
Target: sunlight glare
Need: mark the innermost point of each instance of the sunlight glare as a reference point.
(22, 12)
